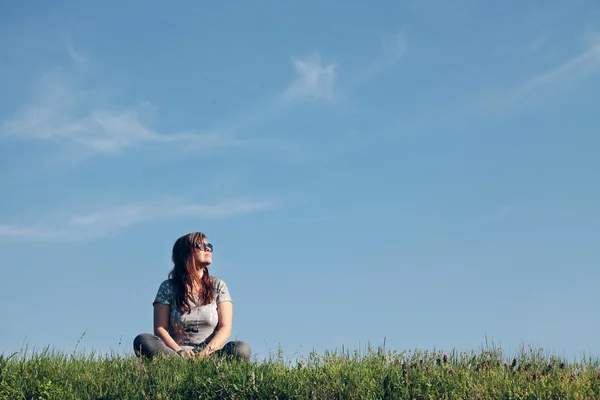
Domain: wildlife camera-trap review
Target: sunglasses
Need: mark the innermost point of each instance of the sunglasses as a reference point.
(204, 246)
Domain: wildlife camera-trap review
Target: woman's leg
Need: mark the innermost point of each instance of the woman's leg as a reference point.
(236, 349)
(149, 345)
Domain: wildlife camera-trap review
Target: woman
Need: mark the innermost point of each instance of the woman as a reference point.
(192, 310)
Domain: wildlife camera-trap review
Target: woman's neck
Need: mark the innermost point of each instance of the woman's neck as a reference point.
(195, 287)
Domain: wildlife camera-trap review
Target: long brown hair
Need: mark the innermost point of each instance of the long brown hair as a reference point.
(185, 275)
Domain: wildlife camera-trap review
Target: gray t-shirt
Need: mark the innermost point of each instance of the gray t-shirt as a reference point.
(198, 326)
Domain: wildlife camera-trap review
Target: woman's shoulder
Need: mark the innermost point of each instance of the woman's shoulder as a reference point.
(164, 295)
(168, 285)
(217, 282)
(221, 290)
(167, 282)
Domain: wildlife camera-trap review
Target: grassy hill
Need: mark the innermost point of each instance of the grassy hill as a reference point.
(378, 374)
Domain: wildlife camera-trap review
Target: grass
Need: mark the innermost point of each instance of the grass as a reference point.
(377, 374)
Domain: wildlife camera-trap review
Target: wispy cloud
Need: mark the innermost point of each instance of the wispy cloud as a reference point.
(591, 36)
(317, 81)
(539, 42)
(311, 219)
(60, 112)
(574, 68)
(507, 210)
(552, 81)
(498, 102)
(314, 81)
(77, 58)
(15, 231)
(65, 108)
(393, 47)
(107, 221)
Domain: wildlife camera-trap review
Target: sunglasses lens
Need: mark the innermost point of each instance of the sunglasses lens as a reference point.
(205, 246)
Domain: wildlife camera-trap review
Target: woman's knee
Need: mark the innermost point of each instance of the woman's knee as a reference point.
(141, 341)
(239, 349)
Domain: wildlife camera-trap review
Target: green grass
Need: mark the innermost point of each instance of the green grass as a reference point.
(377, 374)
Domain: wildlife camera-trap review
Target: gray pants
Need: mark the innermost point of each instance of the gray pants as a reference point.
(149, 345)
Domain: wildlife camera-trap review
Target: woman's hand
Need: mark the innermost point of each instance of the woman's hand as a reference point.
(202, 354)
(186, 353)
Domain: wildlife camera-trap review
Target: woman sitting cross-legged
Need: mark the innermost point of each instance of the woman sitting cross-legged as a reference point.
(192, 310)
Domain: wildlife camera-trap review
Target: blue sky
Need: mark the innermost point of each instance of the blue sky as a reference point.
(424, 173)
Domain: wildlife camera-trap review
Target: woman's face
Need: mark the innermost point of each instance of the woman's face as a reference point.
(203, 253)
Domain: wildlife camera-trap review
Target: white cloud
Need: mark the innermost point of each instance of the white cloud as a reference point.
(539, 42)
(574, 68)
(15, 231)
(75, 55)
(548, 84)
(110, 220)
(507, 210)
(591, 36)
(314, 81)
(488, 103)
(62, 113)
(393, 48)
(168, 208)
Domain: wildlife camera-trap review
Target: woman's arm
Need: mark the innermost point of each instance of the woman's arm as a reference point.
(225, 311)
(161, 325)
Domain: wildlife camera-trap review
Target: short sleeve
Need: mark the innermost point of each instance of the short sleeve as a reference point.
(221, 291)
(164, 294)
